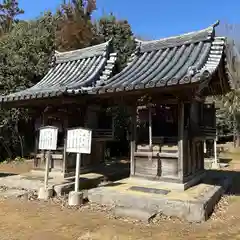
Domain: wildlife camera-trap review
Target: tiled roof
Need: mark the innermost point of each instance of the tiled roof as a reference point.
(183, 59)
(73, 72)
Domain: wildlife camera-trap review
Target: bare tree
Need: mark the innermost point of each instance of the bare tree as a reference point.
(231, 101)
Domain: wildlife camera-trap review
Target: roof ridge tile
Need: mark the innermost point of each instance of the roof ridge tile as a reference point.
(182, 39)
(88, 52)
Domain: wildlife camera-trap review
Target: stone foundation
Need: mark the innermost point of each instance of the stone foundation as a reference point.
(194, 204)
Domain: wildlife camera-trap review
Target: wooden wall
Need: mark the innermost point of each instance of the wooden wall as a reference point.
(75, 116)
(182, 164)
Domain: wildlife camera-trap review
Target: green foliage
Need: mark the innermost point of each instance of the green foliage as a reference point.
(19, 159)
(16, 159)
(9, 10)
(27, 46)
(24, 55)
(121, 122)
(224, 122)
(109, 27)
(231, 102)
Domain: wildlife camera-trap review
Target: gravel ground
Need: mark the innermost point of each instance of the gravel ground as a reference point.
(25, 217)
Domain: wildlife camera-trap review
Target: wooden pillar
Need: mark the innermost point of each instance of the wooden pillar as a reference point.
(202, 162)
(189, 163)
(65, 126)
(204, 147)
(43, 152)
(193, 156)
(215, 146)
(35, 148)
(215, 152)
(133, 140)
(150, 125)
(194, 118)
(180, 140)
(37, 124)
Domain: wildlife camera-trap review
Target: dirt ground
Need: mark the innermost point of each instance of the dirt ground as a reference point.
(16, 167)
(21, 219)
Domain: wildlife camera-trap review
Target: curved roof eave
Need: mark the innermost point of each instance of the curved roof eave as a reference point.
(183, 59)
(72, 71)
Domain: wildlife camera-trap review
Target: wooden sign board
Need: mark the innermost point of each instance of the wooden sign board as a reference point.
(48, 138)
(79, 140)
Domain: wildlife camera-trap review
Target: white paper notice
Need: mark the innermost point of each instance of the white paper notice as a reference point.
(48, 138)
(79, 140)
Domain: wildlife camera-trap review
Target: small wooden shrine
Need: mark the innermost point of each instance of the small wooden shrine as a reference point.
(60, 99)
(171, 122)
(164, 87)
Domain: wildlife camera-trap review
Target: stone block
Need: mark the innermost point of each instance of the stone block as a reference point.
(75, 198)
(64, 188)
(215, 165)
(138, 214)
(144, 206)
(44, 193)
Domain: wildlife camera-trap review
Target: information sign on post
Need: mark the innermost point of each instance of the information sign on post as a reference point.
(48, 138)
(79, 140)
(47, 141)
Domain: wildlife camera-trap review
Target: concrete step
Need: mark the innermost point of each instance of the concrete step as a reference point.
(142, 215)
(85, 183)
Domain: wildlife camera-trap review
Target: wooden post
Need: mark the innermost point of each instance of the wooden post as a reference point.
(48, 159)
(215, 152)
(36, 149)
(204, 147)
(150, 125)
(64, 166)
(133, 139)
(43, 152)
(194, 118)
(78, 166)
(180, 139)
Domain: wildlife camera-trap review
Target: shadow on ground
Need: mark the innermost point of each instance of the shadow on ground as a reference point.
(2, 175)
(218, 177)
(225, 160)
(113, 170)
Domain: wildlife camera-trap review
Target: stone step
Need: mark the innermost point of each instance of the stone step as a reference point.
(142, 215)
(85, 183)
(62, 189)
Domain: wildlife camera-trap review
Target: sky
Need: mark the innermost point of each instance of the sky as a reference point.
(154, 19)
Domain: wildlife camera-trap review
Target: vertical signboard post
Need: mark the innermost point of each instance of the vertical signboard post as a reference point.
(215, 164)
(79, 141)
(48, 142)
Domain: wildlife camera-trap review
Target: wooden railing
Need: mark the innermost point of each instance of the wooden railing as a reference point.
(104, 134)
(208, 131)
